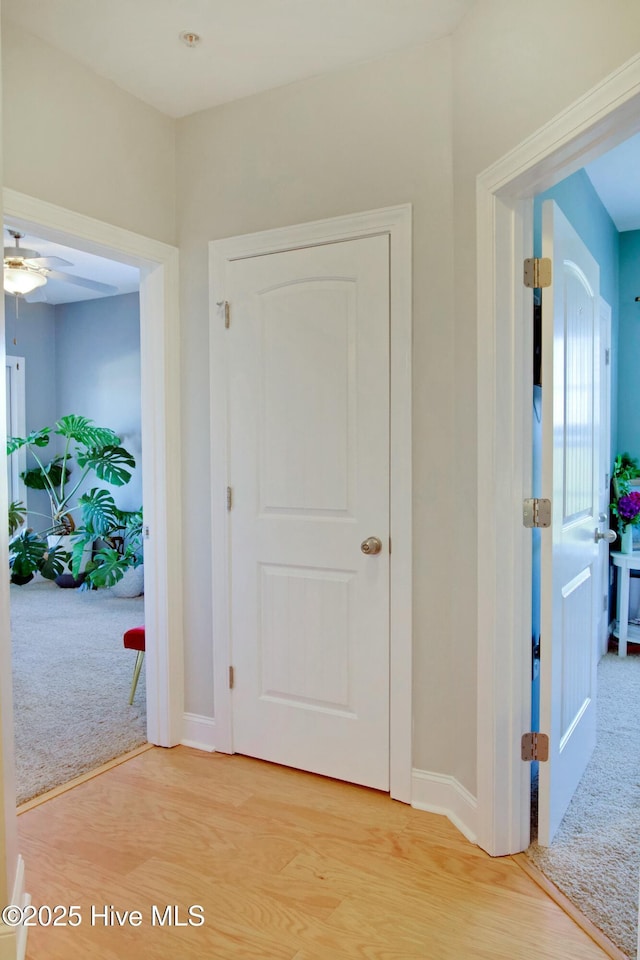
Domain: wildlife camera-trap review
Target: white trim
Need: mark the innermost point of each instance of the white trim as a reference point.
(160, 355)
(17, 425)
(437, 793)
(20, 898)
(396, 222)
(198, 732)
(603, 117)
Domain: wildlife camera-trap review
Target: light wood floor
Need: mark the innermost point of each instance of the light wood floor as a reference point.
(286, 865)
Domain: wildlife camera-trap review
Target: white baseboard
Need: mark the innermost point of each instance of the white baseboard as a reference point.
(198, 732)
(437, 793)
(13, 940)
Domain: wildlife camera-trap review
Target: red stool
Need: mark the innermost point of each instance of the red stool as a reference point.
(133, 639)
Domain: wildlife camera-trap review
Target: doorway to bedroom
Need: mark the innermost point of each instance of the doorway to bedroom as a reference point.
(73, 351)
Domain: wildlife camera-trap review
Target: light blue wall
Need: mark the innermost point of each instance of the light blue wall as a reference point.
(33, 336)
(98, 373)
(629, 358)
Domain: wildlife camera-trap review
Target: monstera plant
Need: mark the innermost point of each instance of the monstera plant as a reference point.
(87, 451)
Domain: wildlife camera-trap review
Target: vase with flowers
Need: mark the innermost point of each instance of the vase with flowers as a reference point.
(625, 503)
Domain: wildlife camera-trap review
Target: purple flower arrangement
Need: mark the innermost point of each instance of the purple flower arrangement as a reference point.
(629, 509)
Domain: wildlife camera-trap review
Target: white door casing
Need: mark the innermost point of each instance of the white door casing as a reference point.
(308, 354)
(602, 118)
(569, 589)
(389, 229)
(160, 385)
(604, 474)
(16, 417)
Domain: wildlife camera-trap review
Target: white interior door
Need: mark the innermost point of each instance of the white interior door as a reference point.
(309, 471)
(604, 472)
(570, 588)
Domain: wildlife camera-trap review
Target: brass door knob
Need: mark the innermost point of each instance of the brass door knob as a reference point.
(371, 545)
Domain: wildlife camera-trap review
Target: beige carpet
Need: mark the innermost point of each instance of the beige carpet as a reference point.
(595, 856)
(72, 678)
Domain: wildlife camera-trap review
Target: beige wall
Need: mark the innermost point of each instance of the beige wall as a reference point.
(368, 137)
(78, 141)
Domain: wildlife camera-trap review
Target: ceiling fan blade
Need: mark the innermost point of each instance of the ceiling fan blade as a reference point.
(51, 262)
(82, 282)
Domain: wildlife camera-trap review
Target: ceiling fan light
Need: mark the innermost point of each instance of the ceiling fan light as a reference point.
(22, 280)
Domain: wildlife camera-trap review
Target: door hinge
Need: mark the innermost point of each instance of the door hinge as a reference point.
(607, 357)
(229, 498)
(224, 306)
(535, 746)
(537, 272)
(231, 678)
(536, 513)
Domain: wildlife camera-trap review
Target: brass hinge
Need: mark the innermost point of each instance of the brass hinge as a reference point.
(535, 746)
(224, 306)
(231, 678)
(229, 498)
(536, 513)
(537, 272)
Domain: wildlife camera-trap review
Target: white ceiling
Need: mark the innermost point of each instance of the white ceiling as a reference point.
(86, 265)
(616, 178)
(247, 45)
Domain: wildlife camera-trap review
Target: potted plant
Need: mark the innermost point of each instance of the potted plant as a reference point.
(114, 537)
(92, 450)
(625, 501)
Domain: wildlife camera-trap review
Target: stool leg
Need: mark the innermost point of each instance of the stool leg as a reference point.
(136, 674)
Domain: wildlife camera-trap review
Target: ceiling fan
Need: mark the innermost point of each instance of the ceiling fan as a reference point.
(25, 272)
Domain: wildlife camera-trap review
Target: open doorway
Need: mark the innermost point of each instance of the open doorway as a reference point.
(601, 120)
(160, 357)
(73, 355)
(593, 834)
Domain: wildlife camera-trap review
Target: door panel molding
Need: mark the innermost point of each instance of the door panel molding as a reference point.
(604, 117)
(396, 223)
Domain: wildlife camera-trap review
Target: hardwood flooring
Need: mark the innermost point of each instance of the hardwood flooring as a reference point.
(285, 865)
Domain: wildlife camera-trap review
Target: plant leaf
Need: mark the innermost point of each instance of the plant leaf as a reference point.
(109, 463)
(26, 553)
(54, 562)
(100, 514)
(17, 516)
(34, 478)
(84, 431)
(110, 568)
(37, 438)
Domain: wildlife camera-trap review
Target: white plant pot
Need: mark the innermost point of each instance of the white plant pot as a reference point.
(132, 584)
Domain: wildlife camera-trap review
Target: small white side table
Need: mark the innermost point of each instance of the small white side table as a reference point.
(625, 562)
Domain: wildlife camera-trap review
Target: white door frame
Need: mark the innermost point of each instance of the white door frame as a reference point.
(604, 317)
(396, 223)
(601, 119)
(160, 406)
(17, 426)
